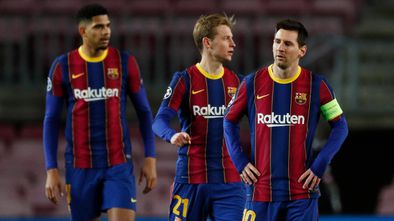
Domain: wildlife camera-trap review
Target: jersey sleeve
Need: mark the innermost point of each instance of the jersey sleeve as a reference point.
(134, 80)
(236, 109)
(140, 101)
(172, 100)
(333, 113)
(53, 109)
(175, 92)
(329, 105)
(240, 77)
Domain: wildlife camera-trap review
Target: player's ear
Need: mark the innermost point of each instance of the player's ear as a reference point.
(303, 50)
(81, 29)
(206, 42)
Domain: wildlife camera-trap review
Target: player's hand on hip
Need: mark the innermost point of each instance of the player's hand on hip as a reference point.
(180, 139)
(311, 181)
(53, 186)
(250, 174)
(148, 171)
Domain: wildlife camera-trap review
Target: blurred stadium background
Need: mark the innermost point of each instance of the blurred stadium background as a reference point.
(351, 43)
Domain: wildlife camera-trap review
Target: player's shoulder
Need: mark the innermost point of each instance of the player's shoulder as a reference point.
(125, 55)
(179, 75)
(232, 73)
(315, 75)
(184, 73)
(229, 71)
(64, 58)
(69, 57)
(121, 53)
(252, 75)
(318, 77)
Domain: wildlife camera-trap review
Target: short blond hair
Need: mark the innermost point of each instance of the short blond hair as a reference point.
(206, 27)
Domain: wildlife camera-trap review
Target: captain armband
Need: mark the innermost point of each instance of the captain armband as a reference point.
(331, 110)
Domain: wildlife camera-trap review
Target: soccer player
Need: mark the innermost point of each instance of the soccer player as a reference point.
(206, 183)
(283, 103)
(94, 82)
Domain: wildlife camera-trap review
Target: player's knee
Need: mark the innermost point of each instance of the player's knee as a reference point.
(121, 214)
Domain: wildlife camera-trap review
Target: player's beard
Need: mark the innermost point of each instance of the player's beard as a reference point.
(282, 66)
(103, 45)
(102, 48)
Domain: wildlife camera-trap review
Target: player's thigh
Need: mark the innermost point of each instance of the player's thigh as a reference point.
(267, 211)
(83, 193)
(119, 190)
(303, 210)
(228, 201)
(188, 202)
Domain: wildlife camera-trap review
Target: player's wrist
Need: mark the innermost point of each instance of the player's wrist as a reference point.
(150, 159)
(52, 171)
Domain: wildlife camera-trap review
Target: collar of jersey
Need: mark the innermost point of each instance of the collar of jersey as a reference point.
(92, 59)
(208, 75)
(286, 80)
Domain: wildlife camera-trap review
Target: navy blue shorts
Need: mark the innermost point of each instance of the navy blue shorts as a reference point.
(297, 210)
(95, 190)
(197, 202)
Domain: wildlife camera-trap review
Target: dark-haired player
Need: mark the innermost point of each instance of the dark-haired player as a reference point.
(94, 82)
(283, 103)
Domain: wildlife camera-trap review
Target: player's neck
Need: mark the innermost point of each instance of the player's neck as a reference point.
(91, 52)
(211, 67)
(287, 73)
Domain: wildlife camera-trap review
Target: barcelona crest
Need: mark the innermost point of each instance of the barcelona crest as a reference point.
(113, 73)
(300, 98)
(231, 91)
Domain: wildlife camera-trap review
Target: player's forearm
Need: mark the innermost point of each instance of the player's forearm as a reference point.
(51, 128)
(148, 137)
(338, 134)
(51, 134)
(232, 139)
(145, 119)
(161, 124)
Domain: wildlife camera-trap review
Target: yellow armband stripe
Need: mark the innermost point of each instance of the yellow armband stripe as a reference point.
(331, 110)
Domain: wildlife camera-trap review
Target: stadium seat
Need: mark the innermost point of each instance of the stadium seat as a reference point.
(342, 8)
(59, 7)
(7, 135)
(287, 7)
(243, 8)
(191, 8)
(146, 8)
(13, 204)
(20, 7)
(31, 131)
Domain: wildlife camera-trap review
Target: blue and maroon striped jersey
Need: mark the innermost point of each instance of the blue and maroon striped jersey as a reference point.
(95, 92)
(200, 99)
(283, 115)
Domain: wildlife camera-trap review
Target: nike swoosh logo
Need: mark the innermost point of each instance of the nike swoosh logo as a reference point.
(75, 76)
(262, 96)
(196, 92)
(133, 200)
